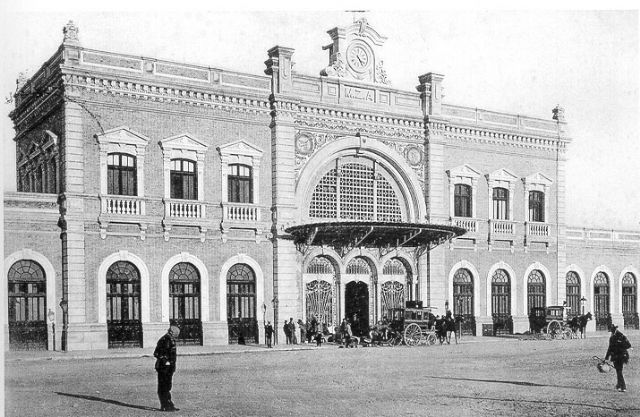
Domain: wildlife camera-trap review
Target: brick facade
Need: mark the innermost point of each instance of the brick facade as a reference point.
(291, 130)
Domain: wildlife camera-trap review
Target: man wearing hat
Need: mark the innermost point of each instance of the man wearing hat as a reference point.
(618, 351)
(165, 355)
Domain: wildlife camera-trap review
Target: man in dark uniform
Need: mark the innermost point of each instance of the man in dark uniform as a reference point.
(268, 332)
(165, 355)
(618, 345)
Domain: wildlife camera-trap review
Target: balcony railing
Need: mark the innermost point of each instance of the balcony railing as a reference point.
(184, 209)
(122, 205)
(466, 223)
(537, 229)
(505, 227)
(240, 212)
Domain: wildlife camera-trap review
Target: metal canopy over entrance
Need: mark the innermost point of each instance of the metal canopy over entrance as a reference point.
(385, 236)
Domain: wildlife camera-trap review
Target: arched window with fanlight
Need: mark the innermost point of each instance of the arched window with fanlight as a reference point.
(630, 301)
(463, 300)
(601, 301)
(241, 304)
(184, 298)
(501, 302)
(536, 290)
(573, 294)
(124, 325)
(27, 306)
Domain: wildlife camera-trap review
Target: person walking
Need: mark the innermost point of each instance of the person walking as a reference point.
(165, 354)
(268, 333)
(619, 354)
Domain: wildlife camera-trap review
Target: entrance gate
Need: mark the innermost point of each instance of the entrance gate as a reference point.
(184, 293)
(241, 305)
(601, 301)
(27, 306)
(463, 300)
(357, 306)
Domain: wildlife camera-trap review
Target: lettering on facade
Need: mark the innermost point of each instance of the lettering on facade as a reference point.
(359, 94)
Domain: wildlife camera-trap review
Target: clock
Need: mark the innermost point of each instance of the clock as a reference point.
(358, 58)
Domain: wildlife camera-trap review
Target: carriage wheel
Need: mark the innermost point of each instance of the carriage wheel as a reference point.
(554, 330)
(412, 334)
(431, 339)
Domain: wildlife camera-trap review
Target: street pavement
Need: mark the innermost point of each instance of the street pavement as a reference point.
(482, 376)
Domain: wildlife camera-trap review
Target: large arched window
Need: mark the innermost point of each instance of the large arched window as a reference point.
(462, 199)
(124, 326)
(184, 179)
(573, 294)
(27, 306)
(356, 191)
(536, 290)
(121, 174)
(463, 300)
(184, 296)
(630, 301)
(601, 300)
(241, 304)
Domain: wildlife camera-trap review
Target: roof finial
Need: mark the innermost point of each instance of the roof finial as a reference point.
(70, 32)
(558, 114)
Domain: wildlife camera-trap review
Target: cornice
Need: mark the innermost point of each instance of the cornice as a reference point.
(158, 92)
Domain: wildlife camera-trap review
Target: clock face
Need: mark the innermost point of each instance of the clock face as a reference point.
(358, 58)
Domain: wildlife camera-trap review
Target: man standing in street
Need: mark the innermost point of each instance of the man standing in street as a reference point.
(268, 332)
(165, 355)
(618, 351)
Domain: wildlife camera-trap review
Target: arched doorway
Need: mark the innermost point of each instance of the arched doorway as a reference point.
(184, 298)
(536, 290)
(241, 304)
(124, 327)
(601, 301)
(463, 300)
(27, 306)
(573, 295)
(501, 302)
(356, 296)
(320, 292)
(630, 301)
(396, 288)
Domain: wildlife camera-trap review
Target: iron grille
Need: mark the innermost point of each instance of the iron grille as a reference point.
(184, 293)
(319, 301)
(630, 301)
(536, 290)
(124, 327)
(393, 297)
(573, 294)
(501, 302)
(463, 300)
(241, 304)
(601, 301)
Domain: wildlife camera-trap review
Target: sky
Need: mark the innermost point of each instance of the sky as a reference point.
(516, 61)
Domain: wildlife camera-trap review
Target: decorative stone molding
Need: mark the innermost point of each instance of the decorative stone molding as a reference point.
(183, 146)
(487, 136)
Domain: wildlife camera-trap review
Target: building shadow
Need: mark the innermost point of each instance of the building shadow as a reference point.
(521, 383)
(108, 401)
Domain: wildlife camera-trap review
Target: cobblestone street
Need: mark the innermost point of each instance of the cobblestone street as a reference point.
(479, 377)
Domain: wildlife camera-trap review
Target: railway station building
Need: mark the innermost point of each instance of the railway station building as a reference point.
(151, 191)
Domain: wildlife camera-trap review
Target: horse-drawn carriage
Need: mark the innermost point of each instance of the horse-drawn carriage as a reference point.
(415, 324)
(551, 320)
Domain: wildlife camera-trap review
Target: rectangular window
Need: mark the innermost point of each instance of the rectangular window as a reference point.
(462, 201)
(536, 206)
(240, 184)
(121, 175)
(500, 204)
(184, 180)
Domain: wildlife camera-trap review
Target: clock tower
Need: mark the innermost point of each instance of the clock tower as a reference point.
(354, 53)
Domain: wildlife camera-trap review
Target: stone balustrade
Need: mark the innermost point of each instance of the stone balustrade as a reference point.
(122, 205)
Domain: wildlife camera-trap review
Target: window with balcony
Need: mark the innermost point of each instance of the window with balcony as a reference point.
(121, 174)
(462, 201)
(536, 206)
(500, 203)
(184, 179)
(240, 184)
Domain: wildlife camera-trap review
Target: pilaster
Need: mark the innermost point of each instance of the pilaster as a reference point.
(558, 116)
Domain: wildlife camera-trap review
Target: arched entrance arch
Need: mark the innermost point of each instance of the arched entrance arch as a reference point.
(602, 300)
(400, 177)
(320, 280)
(360, 274)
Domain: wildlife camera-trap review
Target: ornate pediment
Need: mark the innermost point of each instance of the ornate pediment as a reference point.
(538, 178)
(123, 136)
(503, 175)
(240, 147)
(354, 53)
(183, 142)
(463, 171)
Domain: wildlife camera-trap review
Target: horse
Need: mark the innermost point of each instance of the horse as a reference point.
(580, 323)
